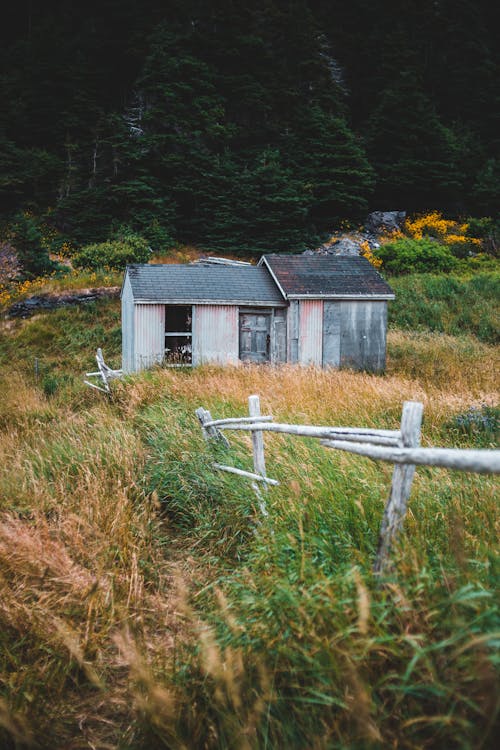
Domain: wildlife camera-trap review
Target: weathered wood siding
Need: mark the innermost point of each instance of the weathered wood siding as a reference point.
(149, 335)
(278, 337)
(128, 360)
(311, 332)
(215, 334)
(363, 335)
(292, 331)
(331, 334)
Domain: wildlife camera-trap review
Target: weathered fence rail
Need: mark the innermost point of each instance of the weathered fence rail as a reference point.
(104, 374)
(399, 447)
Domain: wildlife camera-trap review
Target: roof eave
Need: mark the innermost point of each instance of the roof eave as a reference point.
(197, 301)
(263, 261)
(372, 297)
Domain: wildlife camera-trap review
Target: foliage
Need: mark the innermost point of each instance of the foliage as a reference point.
(26, 237)
(9, 264)
(113, 254)
(487, 230)
(450, 304)
(367, 253)
(172, 142)
(406, 255)
(453, 234)
(479, 422)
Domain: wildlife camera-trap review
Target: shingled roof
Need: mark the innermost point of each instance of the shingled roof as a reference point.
(191, 284)
(326, 276)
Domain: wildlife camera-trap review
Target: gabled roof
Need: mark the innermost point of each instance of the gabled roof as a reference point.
(329, 276)
(198, 284)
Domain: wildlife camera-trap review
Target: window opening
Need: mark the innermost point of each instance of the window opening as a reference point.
(178, 334)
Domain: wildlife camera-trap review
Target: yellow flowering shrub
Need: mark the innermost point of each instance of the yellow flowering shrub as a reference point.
(447, 231)
(367, 253)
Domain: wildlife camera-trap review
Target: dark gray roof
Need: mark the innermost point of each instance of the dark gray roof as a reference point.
(188, 284)
(327, 275)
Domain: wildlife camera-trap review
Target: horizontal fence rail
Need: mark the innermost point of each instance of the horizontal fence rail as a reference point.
(399, 447)
(476, 461)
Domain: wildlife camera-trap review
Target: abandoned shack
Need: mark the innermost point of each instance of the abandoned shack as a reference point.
(319, 310)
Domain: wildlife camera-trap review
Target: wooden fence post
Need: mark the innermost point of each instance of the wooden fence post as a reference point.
(204, 416)
(402, 478)
(259, 462)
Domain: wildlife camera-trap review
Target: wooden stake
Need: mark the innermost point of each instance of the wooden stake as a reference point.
(259, 462)
(209, 431)
(402, 478)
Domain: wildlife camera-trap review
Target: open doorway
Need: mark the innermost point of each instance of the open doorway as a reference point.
(178, 334)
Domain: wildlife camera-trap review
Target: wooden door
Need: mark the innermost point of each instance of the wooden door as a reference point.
(255, 337)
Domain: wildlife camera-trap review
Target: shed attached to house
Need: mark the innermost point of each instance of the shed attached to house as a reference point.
(337, 314)
(194, 314)
(319, 310)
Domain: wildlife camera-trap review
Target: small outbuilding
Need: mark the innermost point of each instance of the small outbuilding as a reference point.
(319, 310)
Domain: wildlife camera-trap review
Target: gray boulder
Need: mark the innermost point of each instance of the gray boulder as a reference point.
(379, 221)
(345, 246)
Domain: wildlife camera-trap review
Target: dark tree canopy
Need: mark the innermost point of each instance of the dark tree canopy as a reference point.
(252, 126)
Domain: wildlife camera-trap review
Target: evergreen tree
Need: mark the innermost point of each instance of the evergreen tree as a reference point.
(417, 158)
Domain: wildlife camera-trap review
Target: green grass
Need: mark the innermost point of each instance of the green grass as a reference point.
(146, 602)
(448, 304)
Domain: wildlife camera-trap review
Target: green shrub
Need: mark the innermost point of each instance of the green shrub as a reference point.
(487, 230)
(116, 254)
(415, 256)
(480, 423)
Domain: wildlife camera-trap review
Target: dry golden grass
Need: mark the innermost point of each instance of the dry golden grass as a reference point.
(106, 639)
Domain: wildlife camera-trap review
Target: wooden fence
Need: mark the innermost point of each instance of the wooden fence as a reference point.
(399, 447)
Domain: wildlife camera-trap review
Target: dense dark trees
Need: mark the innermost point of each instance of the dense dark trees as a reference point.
(252, 126)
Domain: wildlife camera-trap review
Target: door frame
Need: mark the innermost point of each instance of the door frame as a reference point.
(268, 311)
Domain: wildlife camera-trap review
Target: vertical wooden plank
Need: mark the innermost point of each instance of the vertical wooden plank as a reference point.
(259, 463)
(204, 416)
(311, 332)
(402, 478)
(331, 334)
(278, 349)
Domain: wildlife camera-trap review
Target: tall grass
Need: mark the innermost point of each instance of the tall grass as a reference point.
(146, 602)
(450, 304)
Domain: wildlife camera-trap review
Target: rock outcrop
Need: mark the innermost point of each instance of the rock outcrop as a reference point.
(41, 302)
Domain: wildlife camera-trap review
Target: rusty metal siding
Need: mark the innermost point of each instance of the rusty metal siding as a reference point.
(363, 335)
(311, 332)
(215, 334)
(128, 362)
(149, 335)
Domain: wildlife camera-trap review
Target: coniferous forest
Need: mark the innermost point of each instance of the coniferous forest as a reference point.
(246, 126)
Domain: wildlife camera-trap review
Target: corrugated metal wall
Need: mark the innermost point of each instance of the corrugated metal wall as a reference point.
(363, 335)
(128, 362)
(215, 334)
(149, 335)
(331, 333)
(311, 332)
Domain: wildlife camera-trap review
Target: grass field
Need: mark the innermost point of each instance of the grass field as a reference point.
(145, 602)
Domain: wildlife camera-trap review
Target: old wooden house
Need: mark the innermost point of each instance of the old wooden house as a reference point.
(318, 310)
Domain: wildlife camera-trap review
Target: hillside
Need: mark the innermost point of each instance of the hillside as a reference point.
(245, 127)
(145, 601)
